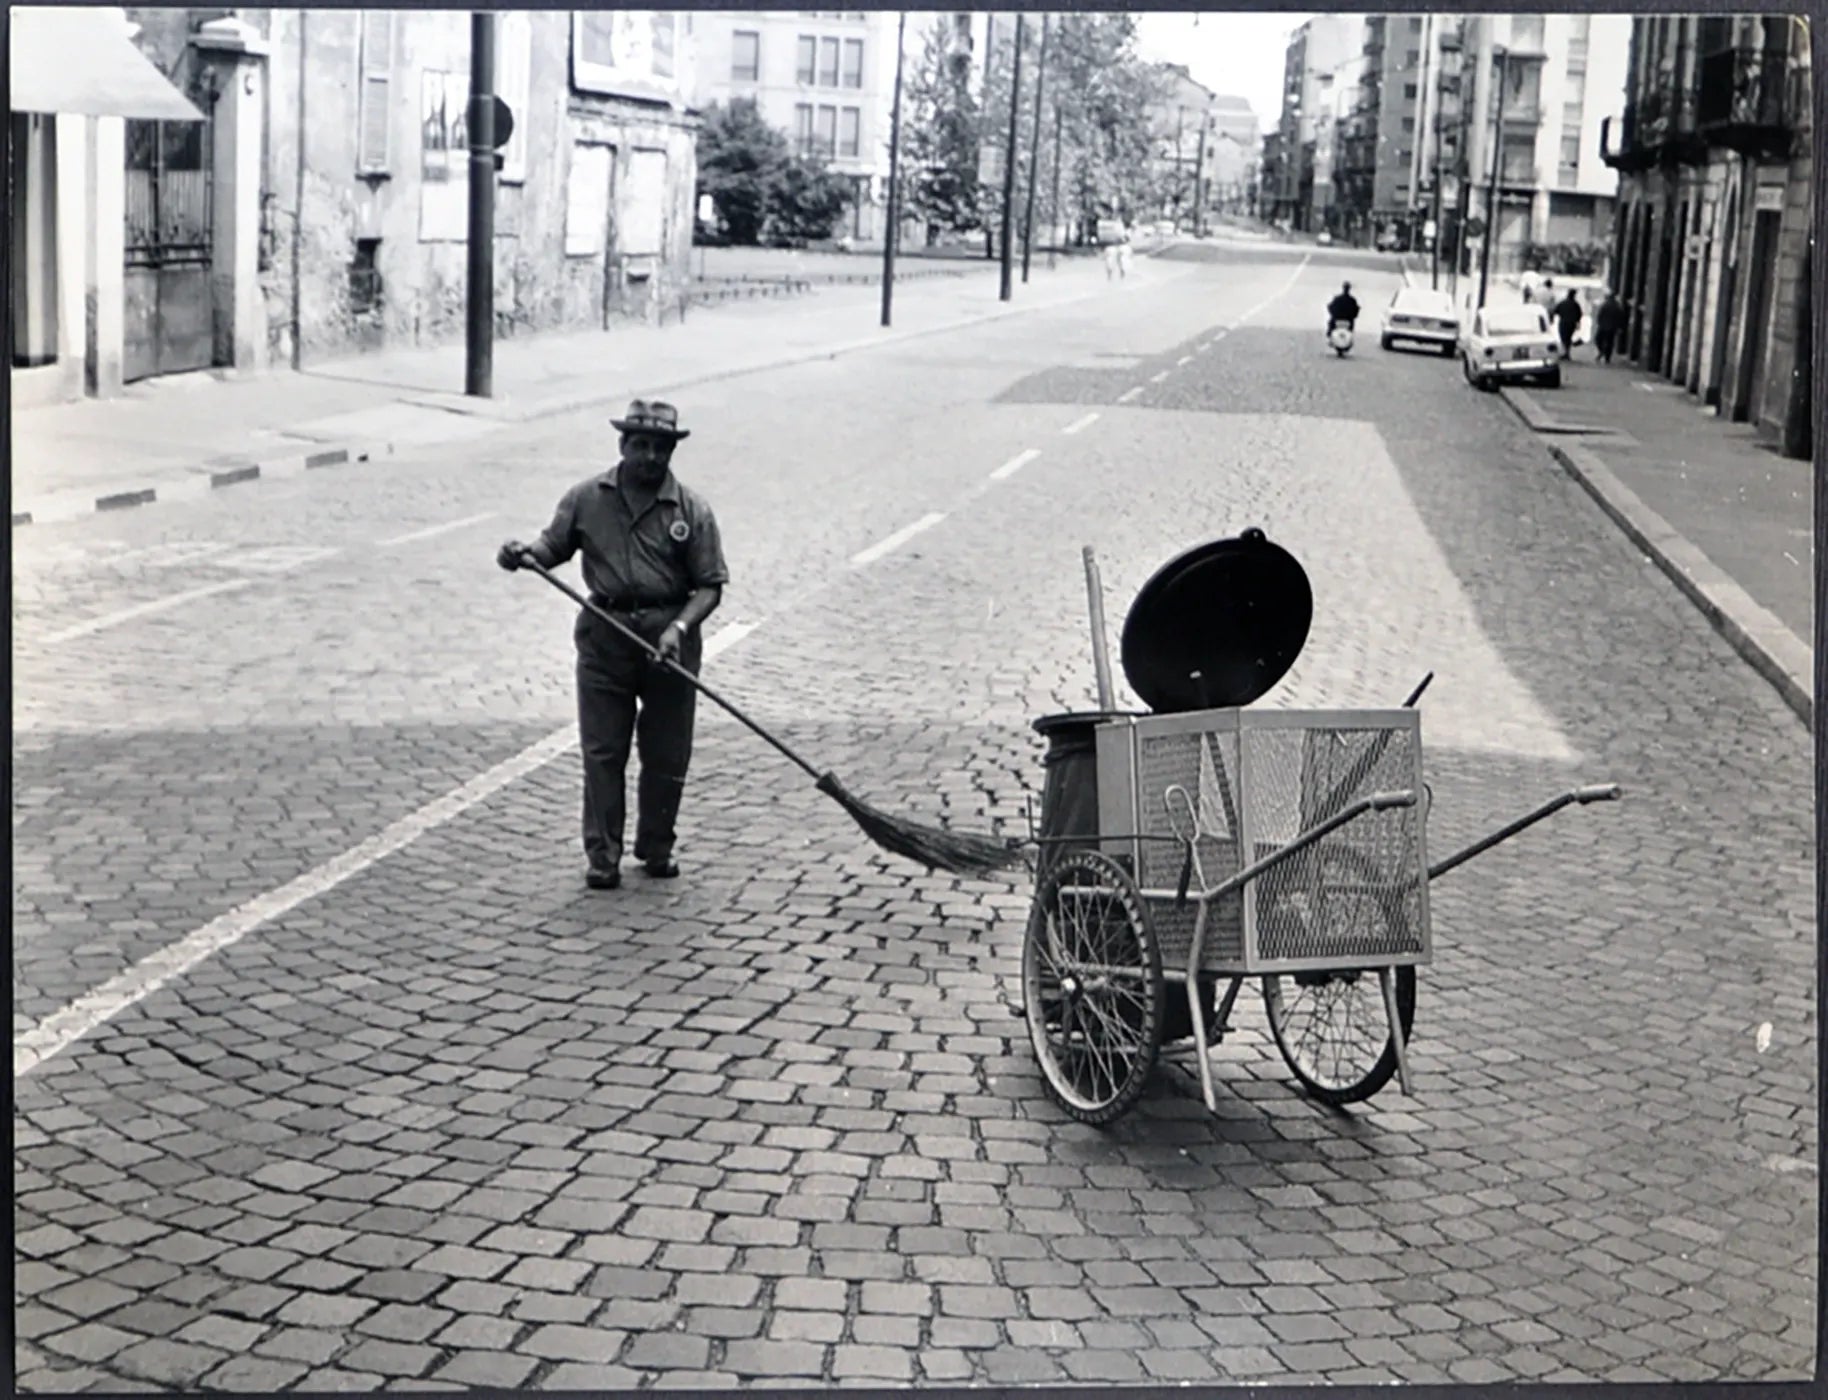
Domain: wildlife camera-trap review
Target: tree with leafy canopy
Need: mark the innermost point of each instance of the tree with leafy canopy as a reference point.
(761, 188)
(939, 153)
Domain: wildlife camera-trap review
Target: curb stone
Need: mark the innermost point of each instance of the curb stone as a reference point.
(1771, 648)
(71, 505)
(490, 415)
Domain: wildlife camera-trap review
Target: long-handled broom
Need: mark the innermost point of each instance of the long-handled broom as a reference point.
(934, 847)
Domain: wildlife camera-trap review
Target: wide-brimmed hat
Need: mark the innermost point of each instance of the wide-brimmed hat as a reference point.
(651, 416)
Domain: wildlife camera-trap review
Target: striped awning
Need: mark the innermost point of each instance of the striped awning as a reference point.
(80, 61)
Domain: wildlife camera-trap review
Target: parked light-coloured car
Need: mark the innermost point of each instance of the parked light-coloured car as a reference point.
(1511, 342)
(1422, 316)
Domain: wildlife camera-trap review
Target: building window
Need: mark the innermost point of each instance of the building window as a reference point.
(828, 131)
(1570, 155)
(828, 63)
(802, 128)
(365, 278)
(850, 132)
(371, 143)
(1408, 125)
(808, 59)
(1409, 92)
(745, 56)
(853, 63)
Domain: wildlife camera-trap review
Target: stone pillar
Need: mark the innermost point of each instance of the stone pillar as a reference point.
(105, 256)
(235, 55)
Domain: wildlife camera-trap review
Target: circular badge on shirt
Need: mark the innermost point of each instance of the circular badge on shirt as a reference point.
(679, 530)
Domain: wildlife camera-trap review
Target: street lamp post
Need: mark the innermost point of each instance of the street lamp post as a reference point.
(892, 232)
(1493, 173)
(479, 310)
(1034, 153)
(1009, 163)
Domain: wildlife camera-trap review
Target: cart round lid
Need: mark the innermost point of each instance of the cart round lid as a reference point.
(1236, 611)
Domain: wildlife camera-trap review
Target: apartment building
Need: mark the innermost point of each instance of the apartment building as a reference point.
(1300, 186)
(1534, 158)
(1378, 176)
(824, 77)
(1714, 149)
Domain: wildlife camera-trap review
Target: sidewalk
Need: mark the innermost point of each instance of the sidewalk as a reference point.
(1728, 518)
(186, 435)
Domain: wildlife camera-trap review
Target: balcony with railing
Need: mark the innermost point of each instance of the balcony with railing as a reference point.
(1659, 128)
(1743, 101)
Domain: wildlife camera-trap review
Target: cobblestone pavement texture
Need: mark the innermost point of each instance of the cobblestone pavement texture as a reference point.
(458, 1122)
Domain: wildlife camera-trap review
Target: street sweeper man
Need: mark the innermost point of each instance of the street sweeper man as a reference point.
(653, 559)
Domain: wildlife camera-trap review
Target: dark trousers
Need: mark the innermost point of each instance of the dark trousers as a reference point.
(1602, 343)
(624, 695)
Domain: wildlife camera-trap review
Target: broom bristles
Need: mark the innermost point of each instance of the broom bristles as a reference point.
(959, 852)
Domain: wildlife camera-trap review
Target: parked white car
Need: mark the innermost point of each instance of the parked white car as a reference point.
(1422, 316)
(1511, 342)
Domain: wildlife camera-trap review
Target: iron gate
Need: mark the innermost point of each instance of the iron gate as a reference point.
(170, 311)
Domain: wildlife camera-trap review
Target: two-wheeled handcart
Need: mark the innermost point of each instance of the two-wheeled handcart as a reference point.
(1186, 850)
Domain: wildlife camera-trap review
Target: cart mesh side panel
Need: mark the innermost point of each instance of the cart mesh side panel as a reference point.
(1356, 894)
(1205, 764)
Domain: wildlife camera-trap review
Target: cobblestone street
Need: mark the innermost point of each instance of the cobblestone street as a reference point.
(331, 1074)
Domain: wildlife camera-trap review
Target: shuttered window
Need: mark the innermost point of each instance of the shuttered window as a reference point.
(374, 150)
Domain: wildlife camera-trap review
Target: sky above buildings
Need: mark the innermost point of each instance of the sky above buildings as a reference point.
(1236, 53)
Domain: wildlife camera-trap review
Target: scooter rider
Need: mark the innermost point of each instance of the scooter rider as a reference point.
(1342, 310)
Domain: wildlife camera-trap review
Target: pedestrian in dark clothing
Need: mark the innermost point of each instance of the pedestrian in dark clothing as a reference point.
(1567, 321)
(1608, 323)
(654, 559)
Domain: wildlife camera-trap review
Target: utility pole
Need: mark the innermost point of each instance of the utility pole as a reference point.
(1034, 153)
(1058, 223)
(1199, 176)
(1009, 162)
(1494, 168)
(892, 234)
(479, 320)
(990, 57)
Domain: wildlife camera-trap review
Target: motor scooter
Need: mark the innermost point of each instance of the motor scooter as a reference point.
(1339, 336)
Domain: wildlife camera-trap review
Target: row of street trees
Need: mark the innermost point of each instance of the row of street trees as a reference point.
(1093, 140)
(1094, 134)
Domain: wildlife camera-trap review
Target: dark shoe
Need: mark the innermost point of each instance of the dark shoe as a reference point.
(603, 877)
(662, 869)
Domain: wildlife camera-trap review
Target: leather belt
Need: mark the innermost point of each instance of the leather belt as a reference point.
(633, 605)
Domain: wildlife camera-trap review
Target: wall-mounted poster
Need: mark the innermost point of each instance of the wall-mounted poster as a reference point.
(444, 157)
(632, 53)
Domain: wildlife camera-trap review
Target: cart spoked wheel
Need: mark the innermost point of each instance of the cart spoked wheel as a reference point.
(1333, 1030)
(1333, 1025)
(1092, 987)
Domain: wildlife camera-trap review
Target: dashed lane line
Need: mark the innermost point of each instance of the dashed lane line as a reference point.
(1158, 377)
(1184, 360)
(445, 528)
(157, 605)
(1079, 423)
(895, 541)
(1015, 464)
(1129, 394)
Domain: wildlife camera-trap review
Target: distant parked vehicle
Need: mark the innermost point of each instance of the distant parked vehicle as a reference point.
(1422, 316)
(1511, 342)
(1325, 240)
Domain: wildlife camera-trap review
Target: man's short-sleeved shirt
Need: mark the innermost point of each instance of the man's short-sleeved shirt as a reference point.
(660, 556)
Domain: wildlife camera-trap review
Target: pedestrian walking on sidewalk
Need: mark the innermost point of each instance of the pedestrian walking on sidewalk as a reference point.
(654, 558)
(1608, 322)
(1567, 321)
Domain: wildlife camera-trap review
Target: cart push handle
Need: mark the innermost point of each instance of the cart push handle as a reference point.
(1596, 792)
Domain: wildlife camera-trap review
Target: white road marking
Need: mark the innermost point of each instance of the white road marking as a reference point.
(64, 1027)
(1269, 301)
(1157, 378)
(158, 605)
(1084, 422)
(278, 558)
(726, 637)
(1184, 360)
(1129, 394)
(427, 533)
(895, 541)
(1015, 464)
